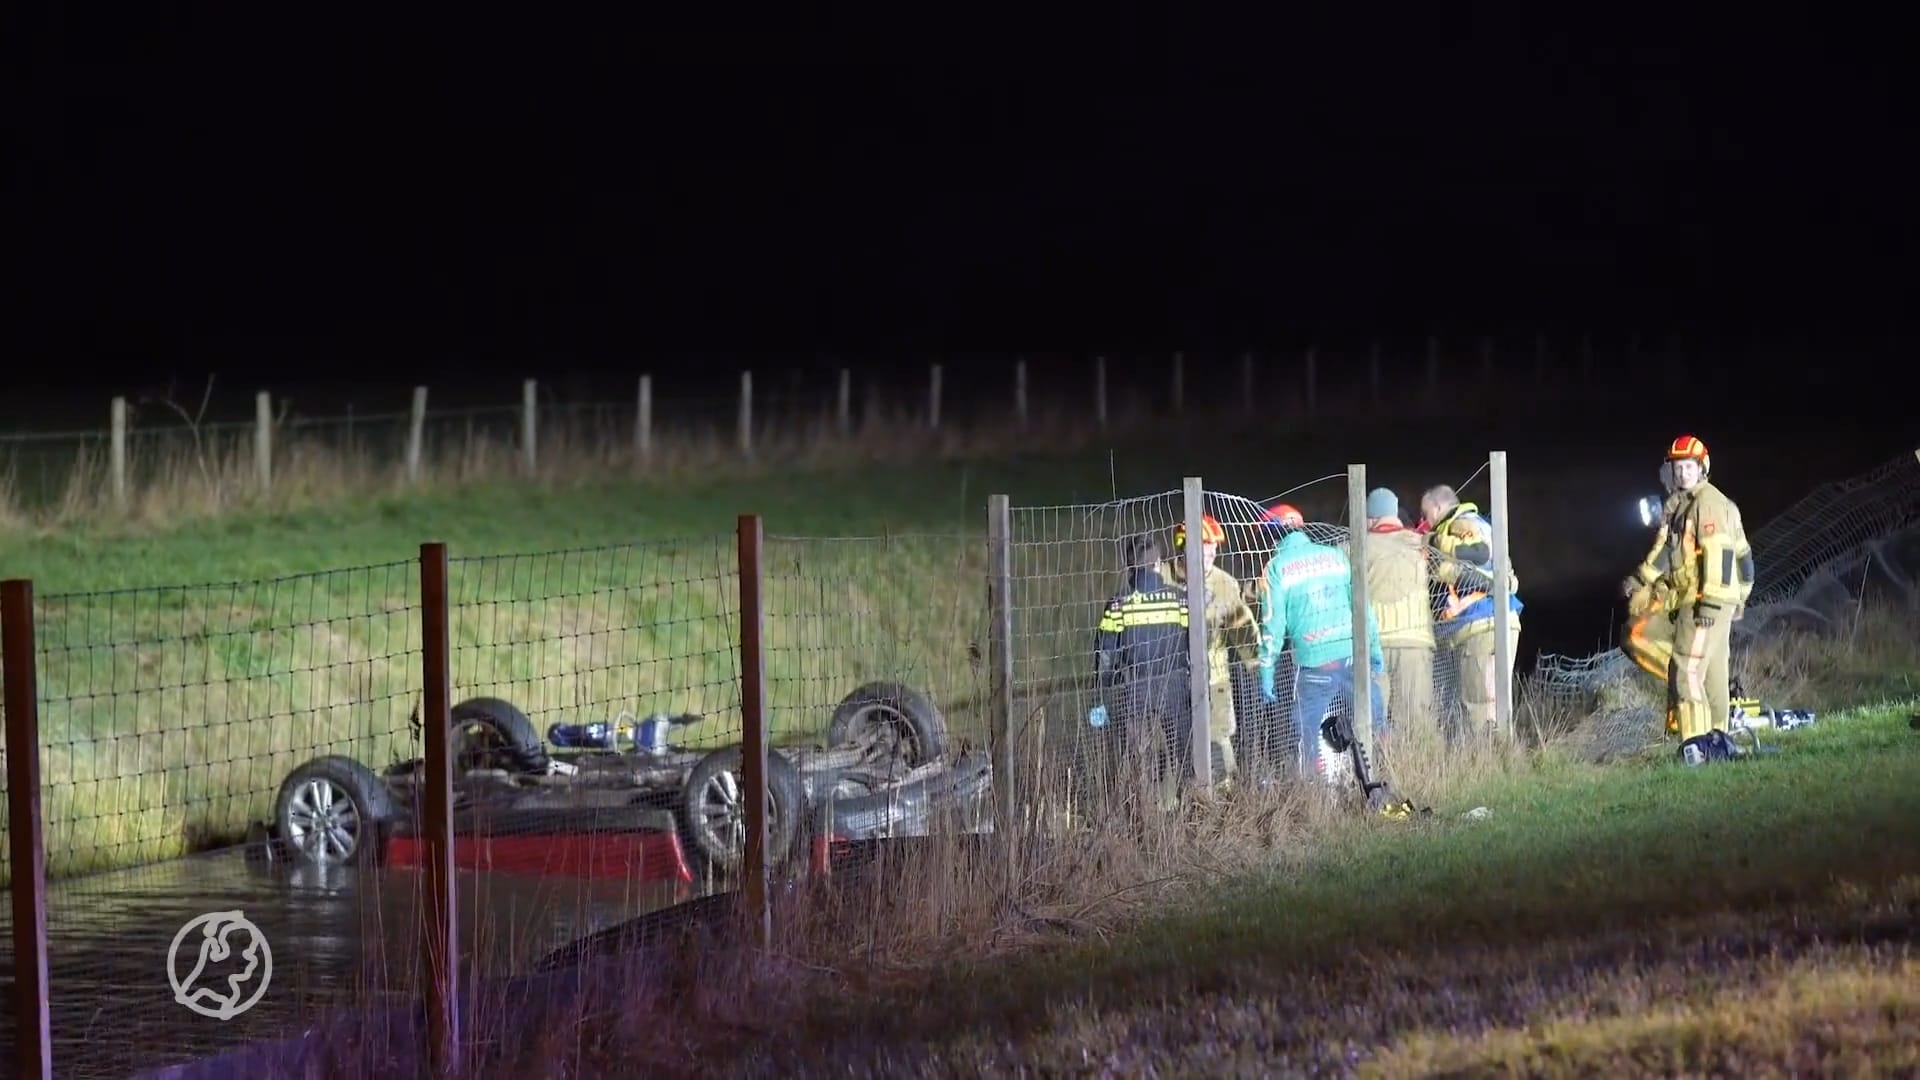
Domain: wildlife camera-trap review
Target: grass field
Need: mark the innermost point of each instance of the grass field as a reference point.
(200, 646)
(190, 658)
(1757, 918)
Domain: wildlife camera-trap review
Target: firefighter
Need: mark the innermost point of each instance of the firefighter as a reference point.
(1463, 570)
(1648, 639)
(1231, 633)
(1141, 661)
(1702, 591)
(1307, 607)
(1397, 595)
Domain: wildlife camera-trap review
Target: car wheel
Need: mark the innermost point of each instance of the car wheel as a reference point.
(333, 811)
(713, 808)
(491, 733)
(890, 715)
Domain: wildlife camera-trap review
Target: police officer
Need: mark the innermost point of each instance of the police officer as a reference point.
(1142, 662)
(1704, 587)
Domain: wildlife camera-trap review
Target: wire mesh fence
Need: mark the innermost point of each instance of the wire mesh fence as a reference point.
(169, 716)
(597, 723)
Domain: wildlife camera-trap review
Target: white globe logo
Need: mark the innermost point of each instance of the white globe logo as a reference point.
(223, 935)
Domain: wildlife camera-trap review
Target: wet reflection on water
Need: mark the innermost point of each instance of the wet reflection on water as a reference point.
(337, 937)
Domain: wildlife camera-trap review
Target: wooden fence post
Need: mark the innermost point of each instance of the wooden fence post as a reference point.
(843, 410)
(1503, 641)
(120, 453)
(753, 725)
(746, 413)
(643, 422)
(1199, 682)
(530, 425)
(416, 434)
(1362, 670)
(441, 937)
(1000, 657)
(933, 397)
(27, 847)
(263, 439)
(1020, 392)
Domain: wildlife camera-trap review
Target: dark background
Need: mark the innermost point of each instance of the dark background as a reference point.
(360, 198)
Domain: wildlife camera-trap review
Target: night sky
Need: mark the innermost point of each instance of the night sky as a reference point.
(380, 193)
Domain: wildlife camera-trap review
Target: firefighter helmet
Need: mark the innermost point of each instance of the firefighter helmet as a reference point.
(1210, 532)
(1283, 516)
(1689, 447)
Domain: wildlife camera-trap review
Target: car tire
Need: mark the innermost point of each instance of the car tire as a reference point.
(333, 811)
(493, 731)
(908, 712)
(713, 809)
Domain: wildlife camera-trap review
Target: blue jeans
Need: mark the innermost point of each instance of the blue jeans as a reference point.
(1319, 689)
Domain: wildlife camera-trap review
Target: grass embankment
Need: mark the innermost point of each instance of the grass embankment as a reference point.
(1755, 918)
(171, 713)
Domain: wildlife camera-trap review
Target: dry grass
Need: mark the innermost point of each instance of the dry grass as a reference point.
(199, 475)
(1875, 657)
(1603, 920)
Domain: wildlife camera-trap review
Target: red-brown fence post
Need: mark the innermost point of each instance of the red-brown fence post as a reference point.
(27, 850)
(442, 937)
(753, 724)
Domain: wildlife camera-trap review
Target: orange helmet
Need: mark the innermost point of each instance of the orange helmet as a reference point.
(1210, 532)
(1283, 515)
(1689, 447)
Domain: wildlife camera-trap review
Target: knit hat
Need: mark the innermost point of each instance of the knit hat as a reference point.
(1382, 503)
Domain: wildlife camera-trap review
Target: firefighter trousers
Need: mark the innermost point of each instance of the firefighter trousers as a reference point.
(1220, 727)
(1479, 673)
(1698, 695)
(1408, 691)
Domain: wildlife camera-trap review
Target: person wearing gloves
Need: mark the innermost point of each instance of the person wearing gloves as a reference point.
(1307, 607)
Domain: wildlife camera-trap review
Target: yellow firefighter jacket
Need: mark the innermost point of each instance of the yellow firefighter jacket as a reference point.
(1231, 628)
(1704, 558)
(1397, 586)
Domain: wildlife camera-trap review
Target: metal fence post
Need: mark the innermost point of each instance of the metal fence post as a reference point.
(442, 936)
(1503, 641)
(1000, 656)
(27, 847)
(1362, 711)
(753, 716)
(1198, 693)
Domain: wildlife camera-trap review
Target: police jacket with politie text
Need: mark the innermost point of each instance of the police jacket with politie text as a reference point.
(1143, 641)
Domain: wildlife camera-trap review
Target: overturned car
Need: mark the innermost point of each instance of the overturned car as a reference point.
(578, 803)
